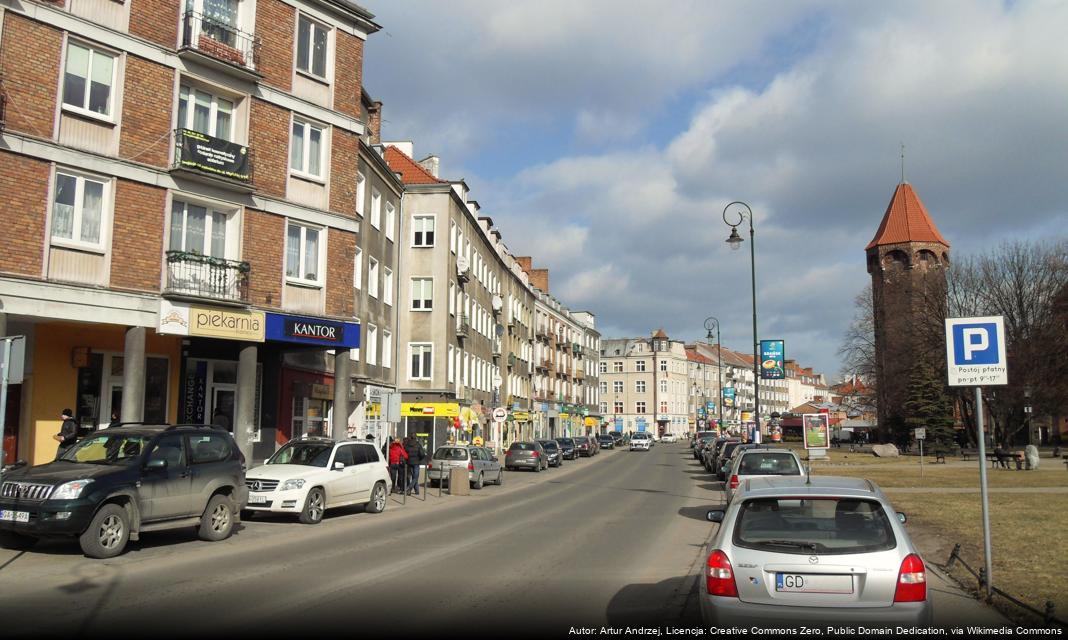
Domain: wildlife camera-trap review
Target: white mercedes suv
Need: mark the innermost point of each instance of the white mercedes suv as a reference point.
(310, 475)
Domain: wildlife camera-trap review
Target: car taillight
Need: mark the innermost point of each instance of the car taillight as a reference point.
(534, 454)
(734, 482)
(430, 466)
(470, 466)
(911, 580)
(719, 578)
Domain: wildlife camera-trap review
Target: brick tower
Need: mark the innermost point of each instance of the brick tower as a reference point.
(907, 260)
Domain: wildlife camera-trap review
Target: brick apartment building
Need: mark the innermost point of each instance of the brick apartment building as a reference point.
(198, 224)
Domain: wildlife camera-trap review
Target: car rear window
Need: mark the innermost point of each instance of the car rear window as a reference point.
(450, 453)
(523, 446)
(548, 444)
(813, 525)
(566, 441)
(768, 464)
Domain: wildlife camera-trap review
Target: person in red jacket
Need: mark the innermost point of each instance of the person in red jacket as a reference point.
(397, 458)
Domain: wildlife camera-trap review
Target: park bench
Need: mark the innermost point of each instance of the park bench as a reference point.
(969, 453)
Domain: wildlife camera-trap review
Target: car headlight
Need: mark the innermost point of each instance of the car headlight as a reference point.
(70, 490)
(289, 485)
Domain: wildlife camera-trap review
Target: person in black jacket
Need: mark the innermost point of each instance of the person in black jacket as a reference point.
(416, 457)
(68, 433)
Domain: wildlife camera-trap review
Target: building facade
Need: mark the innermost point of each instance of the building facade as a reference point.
(645, 384)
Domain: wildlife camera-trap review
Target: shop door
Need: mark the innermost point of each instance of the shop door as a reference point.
(311, 417)
(223, 398)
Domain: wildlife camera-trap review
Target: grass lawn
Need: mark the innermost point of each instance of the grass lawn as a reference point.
(906, 473)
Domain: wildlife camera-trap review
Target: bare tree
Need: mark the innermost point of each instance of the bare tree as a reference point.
(857, 349)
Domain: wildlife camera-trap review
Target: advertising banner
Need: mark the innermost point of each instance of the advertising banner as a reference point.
(177, 318)
(618, 422)
(728, 396)
(817, 430)
(196, 392)
(772, 360)
(212, 155)
(326, 333)
(430, 409)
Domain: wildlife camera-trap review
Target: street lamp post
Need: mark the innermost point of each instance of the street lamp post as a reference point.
(735, 241)
(709, 323)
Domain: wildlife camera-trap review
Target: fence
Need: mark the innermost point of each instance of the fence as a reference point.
(1047, 613)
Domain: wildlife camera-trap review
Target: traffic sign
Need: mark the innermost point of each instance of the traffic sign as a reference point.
(499, 414)
(921, 433)
(975, 351)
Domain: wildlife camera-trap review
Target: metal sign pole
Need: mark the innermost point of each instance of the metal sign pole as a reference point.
(5, 367)
(982, 489)
(921, 457)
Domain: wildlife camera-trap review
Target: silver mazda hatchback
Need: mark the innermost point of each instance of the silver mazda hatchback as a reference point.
(790, 552)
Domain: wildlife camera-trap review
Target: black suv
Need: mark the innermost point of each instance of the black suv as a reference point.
(567, 448)
(124, 481)
(606, 441)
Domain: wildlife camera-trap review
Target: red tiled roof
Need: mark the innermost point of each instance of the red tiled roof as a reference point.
(694, 356)
(906, 220)
(410, 170)
(660, 334)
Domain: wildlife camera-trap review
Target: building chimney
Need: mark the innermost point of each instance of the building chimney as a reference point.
(524, 262)
(431, 164)
(374, 122)
(540, 279)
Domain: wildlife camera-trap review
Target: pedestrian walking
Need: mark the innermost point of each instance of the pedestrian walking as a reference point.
(68, 433)
(397, 458)
(416, 458)
(115, 421)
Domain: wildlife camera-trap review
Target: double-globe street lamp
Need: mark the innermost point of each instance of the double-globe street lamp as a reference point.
(735, 242)
(710, 322)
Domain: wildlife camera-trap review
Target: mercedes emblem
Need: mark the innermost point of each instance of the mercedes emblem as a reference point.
(256, 486)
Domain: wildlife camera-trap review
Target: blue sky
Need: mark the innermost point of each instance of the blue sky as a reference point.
(604, 138)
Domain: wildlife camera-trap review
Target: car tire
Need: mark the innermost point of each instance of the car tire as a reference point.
(217, 523)
(537, 468)
(314, 507)
(479, 482)
(377, 504)
(434, 484)
(16, 541)
(107, 534)
(500, 477)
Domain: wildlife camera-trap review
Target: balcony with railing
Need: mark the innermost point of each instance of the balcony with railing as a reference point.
(192, 275)
(545, 364)
(496, 348)
(212, 160)
(213, 40)
(463, 327)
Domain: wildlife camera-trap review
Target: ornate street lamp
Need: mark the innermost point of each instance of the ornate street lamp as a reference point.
(735, 242)
(710, 322)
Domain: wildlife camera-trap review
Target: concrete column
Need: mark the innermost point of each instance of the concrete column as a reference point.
(245, 413)
(342, 379)
(133, 377)
(3, 324)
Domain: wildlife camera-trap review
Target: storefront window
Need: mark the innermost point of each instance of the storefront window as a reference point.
(100, 386)
(311, 417)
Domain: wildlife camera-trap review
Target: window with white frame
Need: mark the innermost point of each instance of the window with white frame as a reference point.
(452, 236)
(617, 406)
(602, 367)
(303, 254)
(604, 387)
(639, 366)
(639, 386)
(451, 364)
(88, 80)
(617, 366)
(357, 269)
(663, 386)
(422, 294)
(639, 407)
(307, 148)
(79, 209)
(361, 192)
(372, 277)
(420, 359)
(391, 220)
(372, 344)
(423, 231)
(617, 386)
(198, 229)
(376, 208)
(312, 47)
(452, 299)
(201, 111)
(387, 286)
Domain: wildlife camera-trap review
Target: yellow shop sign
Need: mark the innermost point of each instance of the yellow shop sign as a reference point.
(521, 416)
(430, 409)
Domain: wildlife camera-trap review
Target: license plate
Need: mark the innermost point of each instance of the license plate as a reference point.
(813, 583)
(254, 499)
(15, 516)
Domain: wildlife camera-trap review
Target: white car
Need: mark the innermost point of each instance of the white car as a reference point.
(760, 462)
(640, 441)
(669, 437)
(310, 475)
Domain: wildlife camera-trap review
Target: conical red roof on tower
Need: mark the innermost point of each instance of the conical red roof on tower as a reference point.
(906, 220)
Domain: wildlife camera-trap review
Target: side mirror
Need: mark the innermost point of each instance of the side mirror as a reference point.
(338, 466)
(902, 518)
(495, 459)
(716, 515)
(156, 464)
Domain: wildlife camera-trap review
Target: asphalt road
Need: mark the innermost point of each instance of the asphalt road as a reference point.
(616, 540)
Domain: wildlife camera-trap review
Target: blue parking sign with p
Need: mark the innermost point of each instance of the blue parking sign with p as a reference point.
(975, 343)
(975, 351)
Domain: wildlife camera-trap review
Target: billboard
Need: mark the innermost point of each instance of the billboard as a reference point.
(817, 430)
(772, 359)
(728, 396)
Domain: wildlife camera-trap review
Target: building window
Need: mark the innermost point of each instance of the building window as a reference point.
(618, 407)
(602, 367)
(361, 192)
(617, 366)
(639, 407)
(357, 269)
(663, 406)
(604, 387)
(372, 344)
(639, 386)
(376, 208)
(422, 294)
(663, 365)
(78, 208)
(421, 360)
(372, 277)
(302, 254)
(312, 47)
(423, 231)
(639, 366)
(306, 149)
(452, 299)
(387, 286)
(387, 349)
(604, 408)
(451, 364)
(203, 112)
(391, 221)
(617, 386)
(452, 236)
(197, 229)
(88, 78)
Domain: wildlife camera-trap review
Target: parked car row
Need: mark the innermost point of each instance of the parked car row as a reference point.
(542, 454)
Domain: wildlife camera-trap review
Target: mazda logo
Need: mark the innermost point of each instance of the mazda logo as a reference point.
(256, 486)
(813, 560)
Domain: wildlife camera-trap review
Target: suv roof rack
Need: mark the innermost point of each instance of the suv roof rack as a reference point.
(125, 424)
(195, 425)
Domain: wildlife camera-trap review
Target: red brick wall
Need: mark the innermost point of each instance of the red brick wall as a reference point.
(339, 258)
(137, 237)
(269, 140)
(344, 162)
(156, 20)
(146, 112)
(264, 250)
(539, 278)
(30, 61)
(348, 74)
(276, 25)
(24, 194)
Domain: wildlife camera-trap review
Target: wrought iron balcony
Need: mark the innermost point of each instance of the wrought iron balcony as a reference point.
(218, 41)
(205, 157)
(200, 276)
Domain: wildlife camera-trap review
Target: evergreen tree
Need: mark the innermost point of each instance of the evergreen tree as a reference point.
(929, 406)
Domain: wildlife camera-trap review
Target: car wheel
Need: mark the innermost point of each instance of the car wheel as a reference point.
(537, 468)
(378, 499)
(500, 477)
(217, 523)
(314, 506)
(479, 482)
(16, 541)
(107, 534)
(434, 484)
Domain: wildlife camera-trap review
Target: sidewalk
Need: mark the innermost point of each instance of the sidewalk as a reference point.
(954, 607)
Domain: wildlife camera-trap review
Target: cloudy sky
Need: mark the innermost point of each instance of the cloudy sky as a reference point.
(606, 137)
